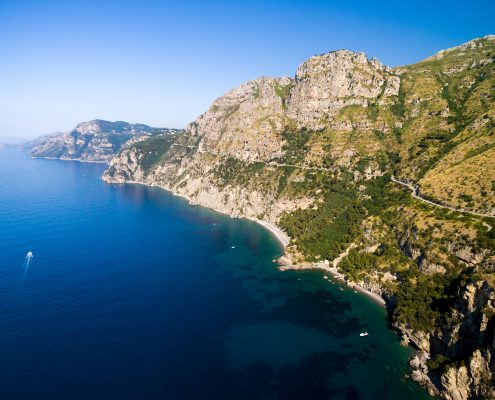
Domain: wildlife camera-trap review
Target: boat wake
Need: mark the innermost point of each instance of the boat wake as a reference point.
(27, 261)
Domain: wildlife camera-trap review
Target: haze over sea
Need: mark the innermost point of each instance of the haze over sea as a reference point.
(132, 293)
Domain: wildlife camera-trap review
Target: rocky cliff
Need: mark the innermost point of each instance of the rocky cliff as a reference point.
(315, 155)
(93, 141)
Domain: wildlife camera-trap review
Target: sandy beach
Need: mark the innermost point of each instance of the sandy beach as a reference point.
(281, 236)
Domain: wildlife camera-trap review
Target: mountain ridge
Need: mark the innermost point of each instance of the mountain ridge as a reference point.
(315, 156)
(93, 141)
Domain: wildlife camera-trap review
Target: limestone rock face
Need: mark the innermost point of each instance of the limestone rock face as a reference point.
(246, 122)
(468, 335)
(472, 381)
(327, 83)
(127, 167)
(456, 383)
(479, 368)
(421, 340)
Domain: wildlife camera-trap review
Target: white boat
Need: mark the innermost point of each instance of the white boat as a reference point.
(29, 254)
(363, 334)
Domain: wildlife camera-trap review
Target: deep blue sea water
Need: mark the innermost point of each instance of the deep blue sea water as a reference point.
(132, 293)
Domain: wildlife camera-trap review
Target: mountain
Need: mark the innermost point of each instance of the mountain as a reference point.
(29, 145)
(384, 176)
(93, 141)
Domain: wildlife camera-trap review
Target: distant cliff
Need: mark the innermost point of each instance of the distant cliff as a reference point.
(315, 155)
(93, 141)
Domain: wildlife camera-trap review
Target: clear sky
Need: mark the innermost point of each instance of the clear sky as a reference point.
(162, 62)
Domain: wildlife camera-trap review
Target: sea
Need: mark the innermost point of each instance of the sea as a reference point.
(132, 293)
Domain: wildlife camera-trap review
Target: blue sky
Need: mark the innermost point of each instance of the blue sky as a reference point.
(163, 63)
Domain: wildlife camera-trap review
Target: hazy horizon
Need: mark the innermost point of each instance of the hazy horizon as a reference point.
(162, 64)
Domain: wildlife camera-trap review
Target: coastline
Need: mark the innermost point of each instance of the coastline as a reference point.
(69, 159)
(325, 266)
(284, 240)
(279, 234)
(253, 277)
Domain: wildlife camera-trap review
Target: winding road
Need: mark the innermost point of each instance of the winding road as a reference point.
(414, 190)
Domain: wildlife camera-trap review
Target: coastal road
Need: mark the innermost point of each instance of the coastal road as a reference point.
(414, 191)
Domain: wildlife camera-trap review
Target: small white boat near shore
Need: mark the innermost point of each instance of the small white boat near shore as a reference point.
(363, 334)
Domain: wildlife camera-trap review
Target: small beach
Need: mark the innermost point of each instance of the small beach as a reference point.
(280, 235)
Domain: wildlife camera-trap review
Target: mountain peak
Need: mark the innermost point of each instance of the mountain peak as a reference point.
(328, 82)
(100, 125)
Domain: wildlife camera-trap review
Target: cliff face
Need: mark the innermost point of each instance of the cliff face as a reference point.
(256, 123)
(93, 141)
(467, 335)
(194, 174)
(315, 156)
(254, 112)
(325, 84)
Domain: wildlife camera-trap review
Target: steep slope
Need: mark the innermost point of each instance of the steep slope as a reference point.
(315, 155)
(240, 156)
(448, 109)
(93, 141)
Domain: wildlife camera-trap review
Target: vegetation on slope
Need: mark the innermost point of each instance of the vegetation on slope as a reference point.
(153, 150)
(449, 121)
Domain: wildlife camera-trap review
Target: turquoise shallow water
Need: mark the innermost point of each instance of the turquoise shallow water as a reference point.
(132, 293)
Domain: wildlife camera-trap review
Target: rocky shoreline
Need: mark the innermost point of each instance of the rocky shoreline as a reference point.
(285, 265)
(284, 240)
(451, 380)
